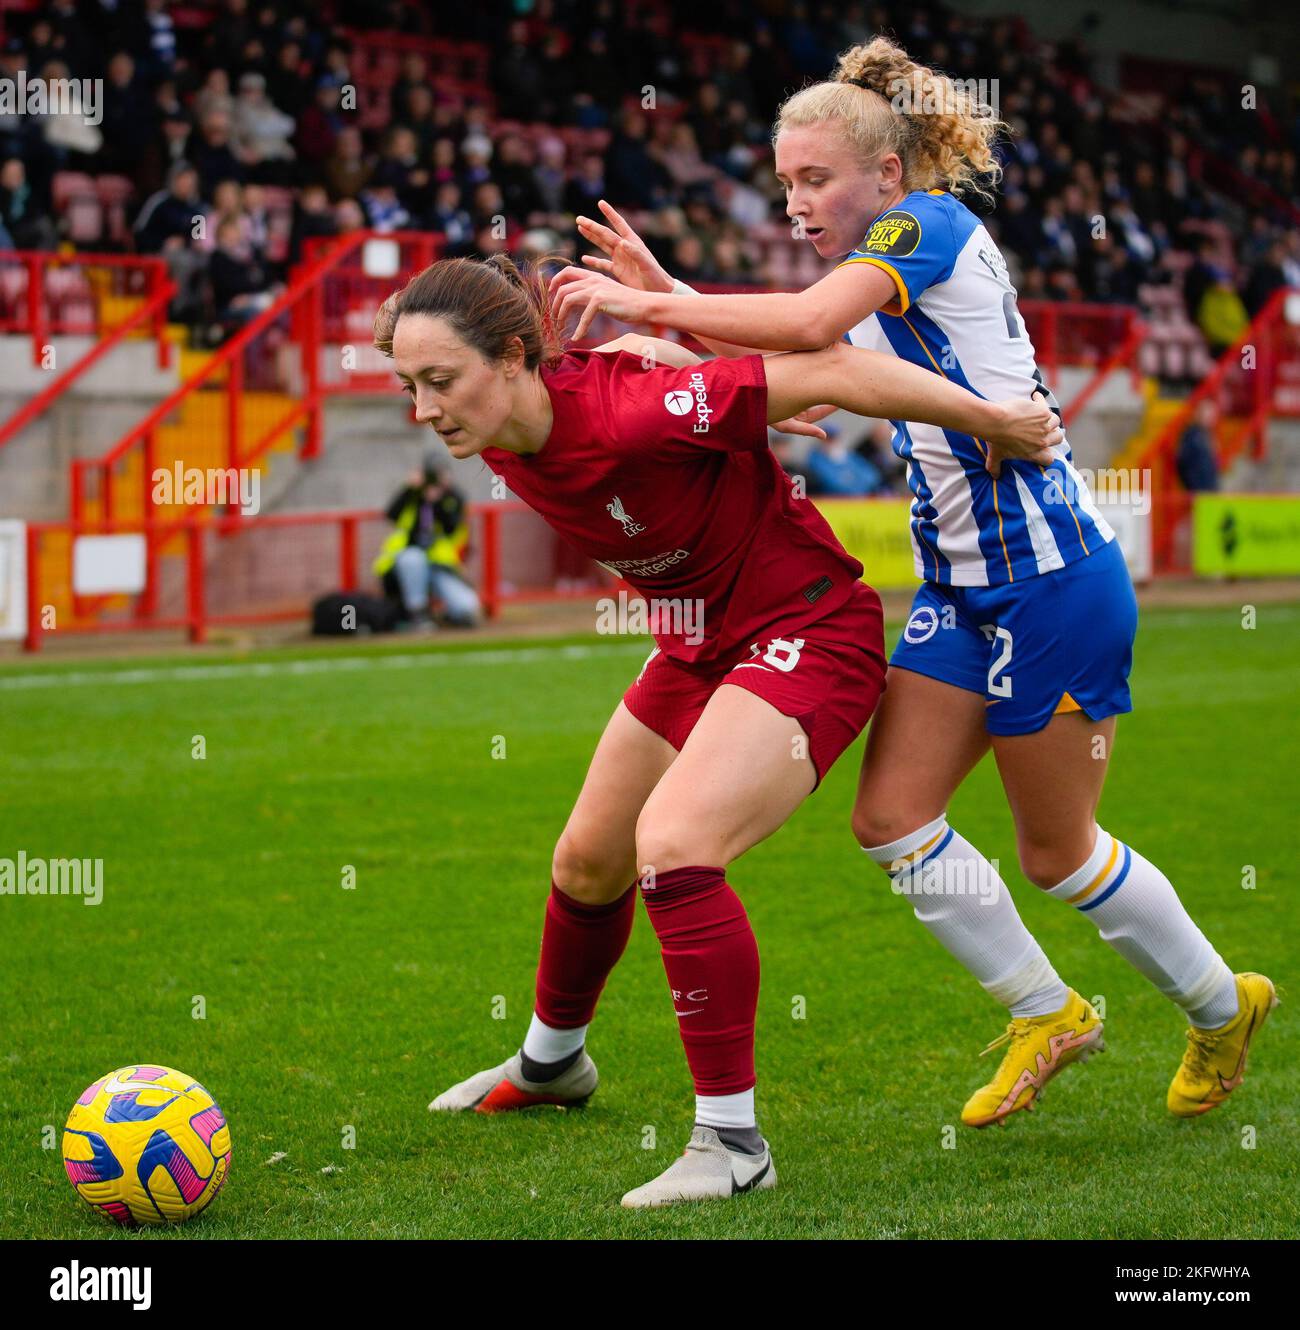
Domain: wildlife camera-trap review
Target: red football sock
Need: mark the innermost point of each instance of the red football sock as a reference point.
(711, 959)
(581, 944)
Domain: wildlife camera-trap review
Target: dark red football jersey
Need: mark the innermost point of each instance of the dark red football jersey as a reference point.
(664, 476)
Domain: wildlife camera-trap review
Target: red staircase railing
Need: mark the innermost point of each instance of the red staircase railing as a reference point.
(51, 295)
(153, 309)
(292, 354)
(1253, 381)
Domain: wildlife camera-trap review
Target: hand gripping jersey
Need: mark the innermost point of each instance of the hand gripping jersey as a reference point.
(664, 476)
(955, 314)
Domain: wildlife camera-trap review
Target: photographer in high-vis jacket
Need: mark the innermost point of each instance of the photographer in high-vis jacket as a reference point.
(420, 561)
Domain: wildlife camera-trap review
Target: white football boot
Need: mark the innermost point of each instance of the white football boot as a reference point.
(706, 1169)
(504, 1088)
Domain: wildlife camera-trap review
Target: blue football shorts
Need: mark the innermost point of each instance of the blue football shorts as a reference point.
(1061, 641)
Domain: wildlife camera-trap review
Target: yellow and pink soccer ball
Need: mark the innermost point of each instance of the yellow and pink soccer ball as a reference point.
(147, 1145)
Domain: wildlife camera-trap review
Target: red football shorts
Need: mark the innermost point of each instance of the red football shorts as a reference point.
(827, 675)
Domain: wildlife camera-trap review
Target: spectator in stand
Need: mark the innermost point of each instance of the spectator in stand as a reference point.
(1266, 276)
(586, 187)
(680, 156)
(597, 82)
(242, 287)
(489, 209)
(29, 227)
(512, 169)
(349, 216)
(70, 140)
(288, 83)
(170, 214)
(261, 133)
(152, 41)
(165, 149)
(213, 155)
(168, 225)
(452, 220)
(635, 178)
(320, 124)
(227, 206)
(690, 263)
(418, 115)
(347, 172)
(517, 77)
(476, 153)
(1198, 279)
(71, 38)
(835, 470)
(399, 167)
(1222, 318)
(442, 163)
(877, 448)
(384, 210)
(214, 97)
(549, 176)
(259, 220)
(1115, 276)
(1196, 461)
(413, 78)
(130, 117)
(312, 217)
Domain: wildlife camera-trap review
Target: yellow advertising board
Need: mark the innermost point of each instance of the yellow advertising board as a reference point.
(1246, 535)
(876, 532)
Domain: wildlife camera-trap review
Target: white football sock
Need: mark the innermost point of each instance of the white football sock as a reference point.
(957, 894)
(725, 1110)
(1138, 912)
(542, 1043)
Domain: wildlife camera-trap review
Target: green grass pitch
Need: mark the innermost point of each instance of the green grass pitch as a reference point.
(329, 1008)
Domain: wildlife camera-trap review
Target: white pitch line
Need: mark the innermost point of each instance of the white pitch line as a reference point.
(270, 668)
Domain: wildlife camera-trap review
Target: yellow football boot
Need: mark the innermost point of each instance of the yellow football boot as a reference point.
(1038, 1047)
(1215, 1061)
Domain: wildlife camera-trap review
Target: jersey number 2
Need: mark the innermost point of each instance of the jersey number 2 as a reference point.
(998, 687)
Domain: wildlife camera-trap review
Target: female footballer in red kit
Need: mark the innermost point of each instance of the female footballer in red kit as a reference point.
(663, 474)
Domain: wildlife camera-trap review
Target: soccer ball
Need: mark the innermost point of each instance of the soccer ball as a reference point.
(146, 1145)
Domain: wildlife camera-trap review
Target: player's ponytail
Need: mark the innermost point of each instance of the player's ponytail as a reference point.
(885, 102)
(488, 304)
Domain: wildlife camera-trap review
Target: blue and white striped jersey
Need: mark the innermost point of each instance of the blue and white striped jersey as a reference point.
(955, 313)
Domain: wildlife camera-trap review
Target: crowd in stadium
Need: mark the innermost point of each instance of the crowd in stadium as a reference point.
(604, 99)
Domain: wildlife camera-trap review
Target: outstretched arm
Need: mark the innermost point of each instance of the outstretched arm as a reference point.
(871, 383)
(778, 321)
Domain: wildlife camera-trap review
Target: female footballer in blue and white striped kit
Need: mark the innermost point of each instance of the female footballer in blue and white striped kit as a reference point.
(1020, 637)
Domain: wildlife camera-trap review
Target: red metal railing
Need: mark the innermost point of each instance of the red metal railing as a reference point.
(150, 311)
(52, 295)
(1081, 333)
(339, 316)
(327, 311)
(202, 572)
(1247, 388)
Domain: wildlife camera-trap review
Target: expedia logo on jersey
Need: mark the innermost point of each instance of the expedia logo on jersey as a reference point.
(679, 402)
(896, 234)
